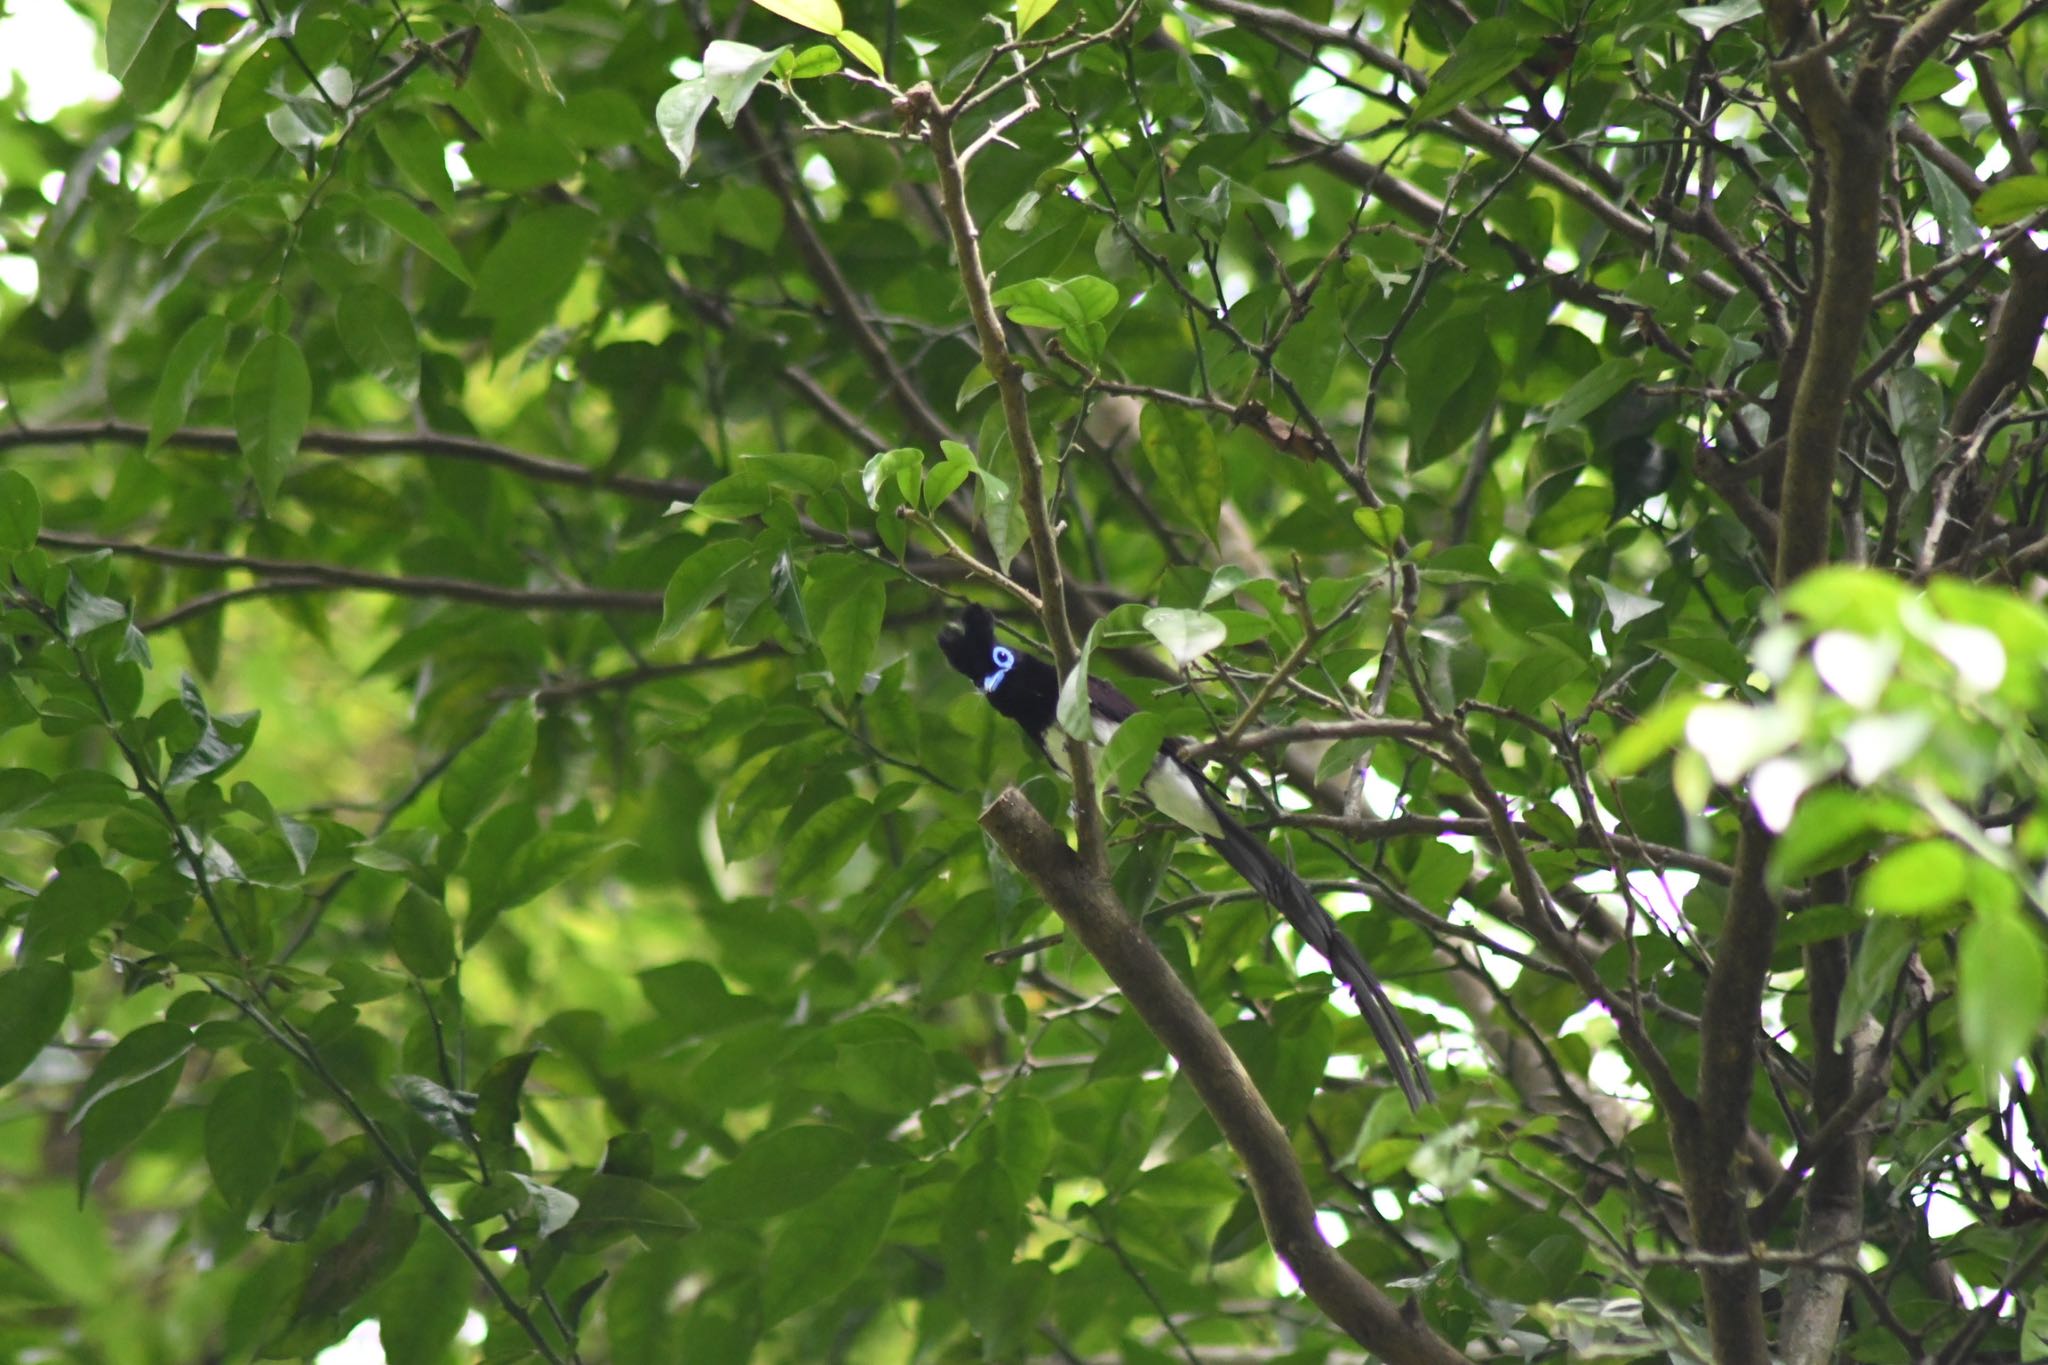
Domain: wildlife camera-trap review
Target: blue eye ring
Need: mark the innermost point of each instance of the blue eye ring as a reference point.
(1004, 659)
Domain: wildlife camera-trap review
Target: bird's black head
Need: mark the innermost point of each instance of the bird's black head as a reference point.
(969, 644)
(1021, 686)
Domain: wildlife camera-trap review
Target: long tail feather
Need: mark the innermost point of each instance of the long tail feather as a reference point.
(1288, 894)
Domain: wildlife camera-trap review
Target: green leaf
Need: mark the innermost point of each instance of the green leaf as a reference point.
(1187, 464)
(144, 1053)
(408, 222)
(423, 935)
(1187, 635)
(1711, 19)
(978, 1235)
(810, 64)
(373, 1249)
(2001, 988)
(248, 1125)
(610, 1207)
(820, 15)
(731, 71)
(1029, 12)
(698, 582)
(1593, 388)
(184, 375)
(1058, 303)
(420, 1309)
(1381, 525)
(1002, 516)
(1486, 53)
(85, 611)
(497, 1097)
(1580, 517)
(826, 1245)
(34, 999)
(1832, 827)
(273, 399)
(149, 50)
(777, 1172)
(852, 633)
(84, 899)
(527, 272)
(813, 474)
(863, 51)
(377, 332)
(1952, 208)
(820, 844)
(21, 513)
(1131, 751)
(1074, 714)
(488, 767)
(905, 465)
(2010, 200)
(508, 867)
(124, 1111)
(445, 1111)
(1917, 879)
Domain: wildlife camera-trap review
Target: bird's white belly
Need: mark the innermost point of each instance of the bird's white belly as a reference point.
(1168, 786)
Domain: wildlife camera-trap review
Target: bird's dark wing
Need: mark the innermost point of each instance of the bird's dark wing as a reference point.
(1112, 705)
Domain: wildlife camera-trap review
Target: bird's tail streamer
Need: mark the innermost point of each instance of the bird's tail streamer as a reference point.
(1288, 894)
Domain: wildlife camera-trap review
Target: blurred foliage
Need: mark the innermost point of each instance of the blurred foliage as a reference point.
(486, 838)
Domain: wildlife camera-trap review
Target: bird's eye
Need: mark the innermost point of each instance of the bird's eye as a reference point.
(1003, 657)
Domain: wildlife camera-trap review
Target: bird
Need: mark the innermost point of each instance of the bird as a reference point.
(1026, 689)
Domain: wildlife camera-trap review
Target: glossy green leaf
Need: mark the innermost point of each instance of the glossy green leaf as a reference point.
(698, 582)
(488, 767)
(184, 375)
(140, 1055)
(273, 399)
(423, 232)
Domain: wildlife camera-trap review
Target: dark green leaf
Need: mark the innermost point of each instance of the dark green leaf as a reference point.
(273, 398)
(1486, 53)
(33, 1000)
(825, 1245)
(377, 332)
(247, 1126)
(422, 935)
(524, 276)
(185, 373)
(488, 767)
(777, 1172)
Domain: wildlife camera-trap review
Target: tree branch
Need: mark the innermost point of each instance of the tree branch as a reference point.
(369, 445)
(1009, 382)
(1093, 915)
(304, 575)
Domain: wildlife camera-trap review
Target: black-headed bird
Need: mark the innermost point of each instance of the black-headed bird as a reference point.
(1027, 690)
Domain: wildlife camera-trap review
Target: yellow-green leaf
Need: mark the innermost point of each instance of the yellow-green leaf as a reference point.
(822, 15)
(864, 51)
(1030, 12)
